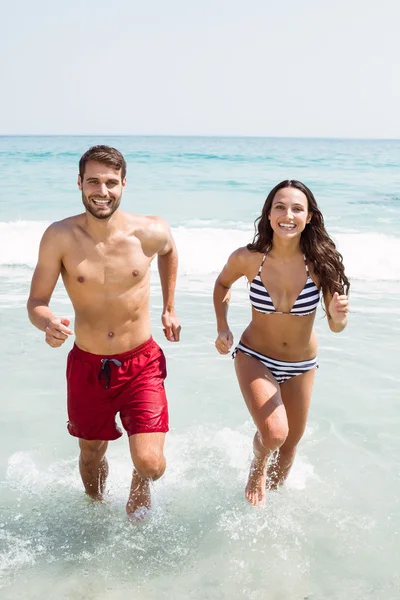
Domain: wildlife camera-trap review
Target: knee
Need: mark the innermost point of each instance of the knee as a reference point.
(289, 448)
(150, 465)
(92, 450)
(292, 440)
(273, 433)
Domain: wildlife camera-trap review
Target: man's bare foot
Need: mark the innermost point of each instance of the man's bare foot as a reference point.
(98, 498)
(255, 488)
(139, 502)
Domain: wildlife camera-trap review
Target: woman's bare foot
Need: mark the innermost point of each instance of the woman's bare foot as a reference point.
(255, 488)
(139, 502)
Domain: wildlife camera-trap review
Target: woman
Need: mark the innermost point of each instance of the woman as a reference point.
(290, 262)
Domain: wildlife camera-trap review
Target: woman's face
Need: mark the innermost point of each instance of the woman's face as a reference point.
(289, 213)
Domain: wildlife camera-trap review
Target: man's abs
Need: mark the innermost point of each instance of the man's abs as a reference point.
(123, 342)
(101, 334)
(110, 319)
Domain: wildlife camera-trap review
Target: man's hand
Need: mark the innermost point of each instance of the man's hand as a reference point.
(224, 341)
(57, 332)
(172, 329)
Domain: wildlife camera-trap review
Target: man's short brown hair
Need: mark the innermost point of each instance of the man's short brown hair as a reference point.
(103, 154)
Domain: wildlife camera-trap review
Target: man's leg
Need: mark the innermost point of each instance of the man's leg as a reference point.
(93, 467)
(147, 452)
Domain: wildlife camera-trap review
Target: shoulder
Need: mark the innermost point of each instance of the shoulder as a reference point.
(157, 226)
(154, 232)
(63, 228)
(241, 262)
(245, 258)
(244, 254)
(147, 225)
(152, 226)
(56, 232)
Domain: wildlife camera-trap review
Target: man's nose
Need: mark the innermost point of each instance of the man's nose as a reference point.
(103, 189)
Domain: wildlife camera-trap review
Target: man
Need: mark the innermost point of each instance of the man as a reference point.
(104, 258)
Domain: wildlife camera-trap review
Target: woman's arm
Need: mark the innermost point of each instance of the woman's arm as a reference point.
(232, 271)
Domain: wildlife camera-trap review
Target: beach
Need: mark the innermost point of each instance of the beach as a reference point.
(333, 531)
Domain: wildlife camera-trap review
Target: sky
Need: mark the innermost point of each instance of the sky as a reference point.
(297, 68)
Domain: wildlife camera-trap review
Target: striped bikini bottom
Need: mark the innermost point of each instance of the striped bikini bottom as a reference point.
(282, 370)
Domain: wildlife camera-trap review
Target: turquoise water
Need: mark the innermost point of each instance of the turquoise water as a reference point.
(333, 531)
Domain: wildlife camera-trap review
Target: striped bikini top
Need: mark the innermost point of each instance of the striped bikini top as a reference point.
(305, 304)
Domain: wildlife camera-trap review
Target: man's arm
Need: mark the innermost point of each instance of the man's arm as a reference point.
(44, 280)
(168, 270)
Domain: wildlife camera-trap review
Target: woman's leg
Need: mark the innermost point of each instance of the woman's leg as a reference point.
(296, 397)
(263, 399)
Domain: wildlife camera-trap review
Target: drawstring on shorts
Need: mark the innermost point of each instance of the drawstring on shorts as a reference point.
(105, 369)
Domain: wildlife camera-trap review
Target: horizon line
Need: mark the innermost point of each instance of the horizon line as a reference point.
(205, 136)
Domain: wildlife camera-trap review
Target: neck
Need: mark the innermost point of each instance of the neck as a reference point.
(101, 229)
(282, 248)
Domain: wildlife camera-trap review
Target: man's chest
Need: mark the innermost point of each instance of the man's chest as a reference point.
(114, 266)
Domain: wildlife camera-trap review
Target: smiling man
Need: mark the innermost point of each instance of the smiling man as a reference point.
(115, 366)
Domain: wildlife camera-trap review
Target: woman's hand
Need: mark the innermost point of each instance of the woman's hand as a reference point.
(337, 311)
(224, 341)
(338, 307)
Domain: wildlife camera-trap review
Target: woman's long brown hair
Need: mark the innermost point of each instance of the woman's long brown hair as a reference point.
(315, 243)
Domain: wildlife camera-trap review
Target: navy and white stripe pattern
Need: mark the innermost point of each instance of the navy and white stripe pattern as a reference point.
(305, 304)
(282, 370)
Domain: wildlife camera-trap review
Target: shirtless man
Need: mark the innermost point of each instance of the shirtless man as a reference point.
(104, 258)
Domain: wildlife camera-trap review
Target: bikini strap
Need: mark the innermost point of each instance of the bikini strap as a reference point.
(262, 262)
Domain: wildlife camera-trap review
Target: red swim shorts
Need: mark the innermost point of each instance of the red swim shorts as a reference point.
(131, 383)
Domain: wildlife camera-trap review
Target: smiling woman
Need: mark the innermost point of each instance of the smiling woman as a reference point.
(289, 208)
(290, 261)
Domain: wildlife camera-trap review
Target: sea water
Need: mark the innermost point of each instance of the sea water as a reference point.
(333, 532)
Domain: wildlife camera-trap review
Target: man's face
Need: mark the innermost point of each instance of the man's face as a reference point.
(101, 188)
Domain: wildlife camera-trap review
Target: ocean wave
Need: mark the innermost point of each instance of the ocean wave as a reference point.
(204, 249)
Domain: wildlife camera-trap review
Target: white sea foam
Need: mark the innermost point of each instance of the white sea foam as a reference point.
(200, 523)
(204, 250)
(19, 242)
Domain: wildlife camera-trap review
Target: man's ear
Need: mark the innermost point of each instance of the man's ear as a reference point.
(79, 182)
(124, 182)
